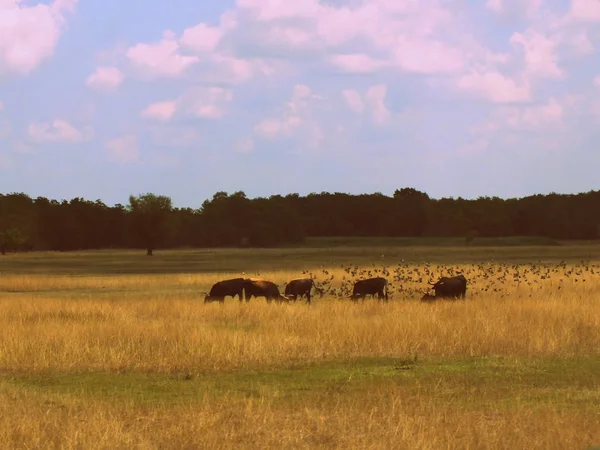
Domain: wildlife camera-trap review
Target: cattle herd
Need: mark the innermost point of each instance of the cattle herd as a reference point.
(445, 288)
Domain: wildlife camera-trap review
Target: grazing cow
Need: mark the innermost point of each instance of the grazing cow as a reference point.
(370, 286)
(224, 288)
(300, 287)
(450, 287)
(262, 288)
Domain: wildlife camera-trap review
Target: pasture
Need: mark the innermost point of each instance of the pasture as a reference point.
(113, 349)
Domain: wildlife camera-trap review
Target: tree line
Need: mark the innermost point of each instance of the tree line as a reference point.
(233, 220)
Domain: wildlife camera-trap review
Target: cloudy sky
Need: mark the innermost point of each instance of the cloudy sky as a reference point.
(103, 99)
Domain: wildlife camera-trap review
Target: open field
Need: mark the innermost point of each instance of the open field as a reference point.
(112, 349)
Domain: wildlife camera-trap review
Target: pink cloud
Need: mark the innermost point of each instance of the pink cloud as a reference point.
(296, 120)
(532, 117)
(123, 149)
(229, 69)
(269, 128)
(105, 78)
(58, 131)
(206, 102)
(546, 118)
(514, 7)
(539, 54)
(272, 10)
(357, 63)
(426, 56)
(162, 111)
(353, 100)
(375, 98)
(373, 102)
(201, 38)
(29, 34)
(495, 87)
(401, 33)
(585, 10)
(161, 59)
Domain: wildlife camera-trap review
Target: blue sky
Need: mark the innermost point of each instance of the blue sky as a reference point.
(101, 100)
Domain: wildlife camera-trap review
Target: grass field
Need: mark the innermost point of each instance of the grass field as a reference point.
(112, 349)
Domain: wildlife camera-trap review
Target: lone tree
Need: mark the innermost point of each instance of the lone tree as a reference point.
(149, 212)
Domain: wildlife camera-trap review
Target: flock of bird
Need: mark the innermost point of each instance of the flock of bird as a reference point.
(409, 280)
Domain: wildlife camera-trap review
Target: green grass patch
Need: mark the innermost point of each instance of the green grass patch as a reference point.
(253, 261)
(473, 382)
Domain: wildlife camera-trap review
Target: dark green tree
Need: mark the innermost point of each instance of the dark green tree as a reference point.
(149, 213)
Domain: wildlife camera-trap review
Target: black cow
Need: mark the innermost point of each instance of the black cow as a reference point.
(450, 287)
(224, 288)
(263, 288)
(370, 286)
(300, 287)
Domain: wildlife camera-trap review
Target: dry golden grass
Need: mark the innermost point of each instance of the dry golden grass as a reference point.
(157, 325)
(382, 418)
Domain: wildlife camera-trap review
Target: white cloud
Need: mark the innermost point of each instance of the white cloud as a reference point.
(162, 111)
(270, 128)
(58, 131)
(162, 59)
(298, 119)
(29, 34)
(375, 99)
(581, 43)
(204, 102)
(495, 87)
(208, 103)
(373, 102)
(533, 117)
(105, 78)
(123, 149)
(358, 63)
(427, 56)
(526, 8)
(354, 100)
(201, 38)
(167, 58)
(547, 117)
(539, 54)
(585, 10)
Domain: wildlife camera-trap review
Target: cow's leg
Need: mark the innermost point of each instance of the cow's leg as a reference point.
(308, 297)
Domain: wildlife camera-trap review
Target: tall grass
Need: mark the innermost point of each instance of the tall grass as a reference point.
(113, 330)
(161, 324)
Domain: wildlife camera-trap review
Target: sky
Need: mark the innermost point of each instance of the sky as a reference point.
(185, 98)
